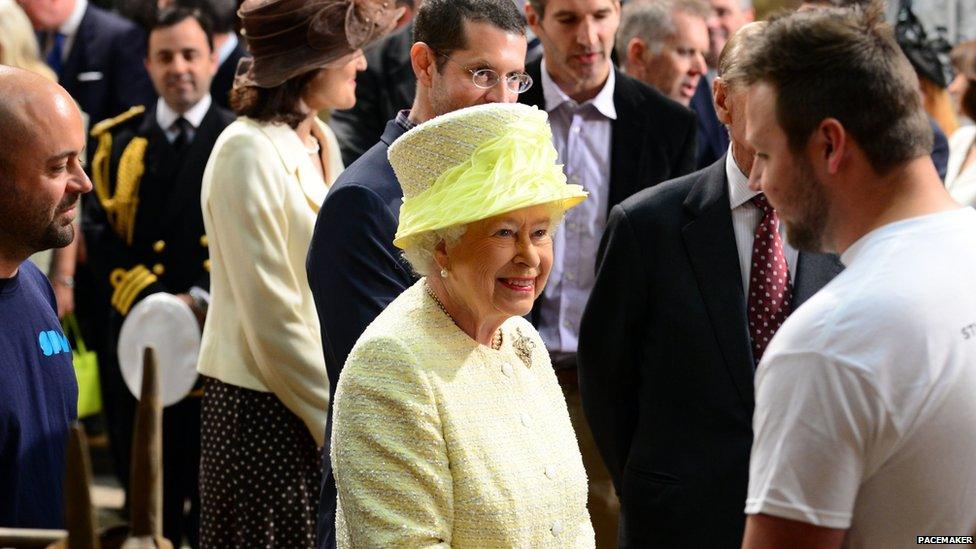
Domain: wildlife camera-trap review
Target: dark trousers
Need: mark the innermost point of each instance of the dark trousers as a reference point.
(601, 499)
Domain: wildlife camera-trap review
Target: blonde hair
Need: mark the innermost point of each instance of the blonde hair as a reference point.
(18, 44)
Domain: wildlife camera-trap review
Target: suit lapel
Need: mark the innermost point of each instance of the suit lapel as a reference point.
(76, 57)
(626, 145)
(710, 243)
(813, 271)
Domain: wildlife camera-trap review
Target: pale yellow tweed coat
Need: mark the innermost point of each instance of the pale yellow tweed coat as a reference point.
(441, 442)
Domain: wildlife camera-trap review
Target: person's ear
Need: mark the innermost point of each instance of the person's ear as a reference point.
(635, 56)
(830, 144)
(424, 63)
(531, 17)
(720, 95)
(440, 256)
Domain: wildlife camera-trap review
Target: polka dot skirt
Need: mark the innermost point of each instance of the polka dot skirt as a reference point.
(259, 472)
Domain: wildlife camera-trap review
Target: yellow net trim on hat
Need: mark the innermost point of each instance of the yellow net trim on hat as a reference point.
(514, 170)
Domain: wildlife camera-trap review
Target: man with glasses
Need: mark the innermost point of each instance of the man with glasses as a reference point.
(615, 136)
(466, 52)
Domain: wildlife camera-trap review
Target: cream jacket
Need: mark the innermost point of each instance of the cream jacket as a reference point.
(441, 442)
(260, 197)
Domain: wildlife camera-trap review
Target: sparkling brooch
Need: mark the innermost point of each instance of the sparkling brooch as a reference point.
(523, 346)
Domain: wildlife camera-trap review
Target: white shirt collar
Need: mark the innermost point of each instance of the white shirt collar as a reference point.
(227, 48)
(71, 24)
(739, 191)
(555, 96)
(166, 116)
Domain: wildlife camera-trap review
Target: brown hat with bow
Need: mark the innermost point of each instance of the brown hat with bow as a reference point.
(287, 38)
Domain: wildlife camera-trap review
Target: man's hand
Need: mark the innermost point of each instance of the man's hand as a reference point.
(197, 311)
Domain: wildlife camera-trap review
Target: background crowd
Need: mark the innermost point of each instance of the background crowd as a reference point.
(272, 167)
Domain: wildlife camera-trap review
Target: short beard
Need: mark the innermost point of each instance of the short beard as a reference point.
(34, 231)
(809, 200)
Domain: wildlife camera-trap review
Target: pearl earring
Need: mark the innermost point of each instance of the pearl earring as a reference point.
(444, 273)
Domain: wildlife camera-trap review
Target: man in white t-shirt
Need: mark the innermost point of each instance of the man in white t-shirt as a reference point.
(865, 421)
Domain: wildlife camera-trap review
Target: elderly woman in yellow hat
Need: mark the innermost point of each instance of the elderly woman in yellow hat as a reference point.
(450, 427)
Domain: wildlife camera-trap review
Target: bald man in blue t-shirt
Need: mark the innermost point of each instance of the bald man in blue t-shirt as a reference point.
(41, 180)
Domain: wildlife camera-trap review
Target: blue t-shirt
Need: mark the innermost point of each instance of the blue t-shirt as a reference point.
(38, 402)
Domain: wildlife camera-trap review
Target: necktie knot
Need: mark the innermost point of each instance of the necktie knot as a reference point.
(182, 127)
(761, 202)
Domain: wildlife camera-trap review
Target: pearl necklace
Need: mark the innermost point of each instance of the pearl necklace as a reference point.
(315, 148)
(496, 340)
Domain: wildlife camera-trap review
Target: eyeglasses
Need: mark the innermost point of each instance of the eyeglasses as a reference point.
(486, 79)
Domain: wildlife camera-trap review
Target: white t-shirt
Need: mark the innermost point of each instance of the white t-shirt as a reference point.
(866, 398)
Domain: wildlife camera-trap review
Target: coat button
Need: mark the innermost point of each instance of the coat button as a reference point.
(557, 528)
(526, 420)
(159, 246)
(204, 242)
(507, 369)
(206, 265)
(158, 269)
(550, 472)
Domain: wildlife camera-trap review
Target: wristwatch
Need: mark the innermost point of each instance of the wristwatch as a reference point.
(63, 280)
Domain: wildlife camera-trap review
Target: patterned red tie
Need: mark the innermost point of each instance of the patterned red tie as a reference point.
(770, 290)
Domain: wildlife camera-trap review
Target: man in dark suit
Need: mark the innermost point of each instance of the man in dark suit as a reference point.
(154, 158)
(615, 136)
(385, 88)
(667, 348)
(468, 52)
(96, 54)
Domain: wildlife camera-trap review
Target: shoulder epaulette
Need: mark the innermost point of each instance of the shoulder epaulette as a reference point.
(107, 124)
(120, 205)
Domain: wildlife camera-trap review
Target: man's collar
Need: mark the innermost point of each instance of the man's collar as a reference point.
(166, 116)
(227, 48)
(739, 191)
(71, 24)
(555, 96)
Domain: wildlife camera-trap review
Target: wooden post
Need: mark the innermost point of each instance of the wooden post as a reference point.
(145, 482)
(79, 514)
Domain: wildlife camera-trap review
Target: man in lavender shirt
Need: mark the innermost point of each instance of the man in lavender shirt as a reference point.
(615, 136)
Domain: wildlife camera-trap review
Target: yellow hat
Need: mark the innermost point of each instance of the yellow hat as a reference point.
(477, 163)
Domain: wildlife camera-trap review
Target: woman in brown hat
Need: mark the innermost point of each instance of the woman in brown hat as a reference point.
(264, 409)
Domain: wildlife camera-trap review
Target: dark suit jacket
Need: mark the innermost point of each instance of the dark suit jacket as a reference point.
(224, 79)
(354, 272)
(713, 138)
(665, 366)
(940, 149)
(104, 71)
(169, 207)
(386, 87)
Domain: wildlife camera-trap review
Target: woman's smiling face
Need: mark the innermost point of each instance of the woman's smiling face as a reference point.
(501, 264)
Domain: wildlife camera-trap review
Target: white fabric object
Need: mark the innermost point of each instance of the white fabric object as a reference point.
(865, 411)
(167, 325)
(961, 183)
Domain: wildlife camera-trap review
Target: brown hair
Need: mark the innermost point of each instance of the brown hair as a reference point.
(273, 105)
(843, 64)
(964, 61)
